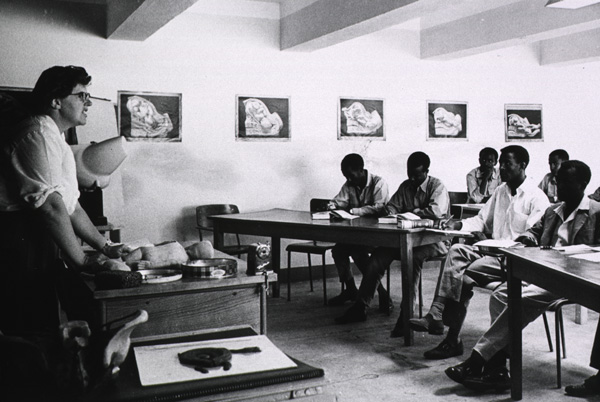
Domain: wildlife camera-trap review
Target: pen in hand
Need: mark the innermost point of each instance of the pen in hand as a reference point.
(444, 222)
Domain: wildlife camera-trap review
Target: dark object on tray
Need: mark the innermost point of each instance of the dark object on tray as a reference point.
(117, 280)
(205, 358)
(210, 268)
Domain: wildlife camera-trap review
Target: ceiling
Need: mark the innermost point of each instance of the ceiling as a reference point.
(447, 29)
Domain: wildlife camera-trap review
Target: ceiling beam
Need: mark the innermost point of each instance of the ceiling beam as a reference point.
(328, 22)
(510, 25)
(569, 49)
(139, 19)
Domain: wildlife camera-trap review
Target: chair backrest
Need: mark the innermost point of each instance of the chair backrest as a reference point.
(319, 204)
(458, 197)
(204, 211)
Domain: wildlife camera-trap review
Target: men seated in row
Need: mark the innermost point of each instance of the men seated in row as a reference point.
(548, 183)
(483, 180)
(422, 195)
(362, 194)
(515, 206)
(575, 220)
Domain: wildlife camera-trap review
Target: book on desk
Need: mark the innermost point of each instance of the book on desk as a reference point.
(334, 214)
(407, 220)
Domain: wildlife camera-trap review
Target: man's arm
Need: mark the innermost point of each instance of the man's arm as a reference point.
(438, 204)
(380, 198)
(473, 188)
(54, 216)
(532, 237)
(396, 204)
(342, 199)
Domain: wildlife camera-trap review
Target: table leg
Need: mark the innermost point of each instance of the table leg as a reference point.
(218, 237)
(515, 331)
(406, 264)
(276, 262)
(263, 306)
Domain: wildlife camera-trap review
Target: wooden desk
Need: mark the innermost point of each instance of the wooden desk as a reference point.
(574, 279)
(190, 304)
(305, 383)
(282, 223)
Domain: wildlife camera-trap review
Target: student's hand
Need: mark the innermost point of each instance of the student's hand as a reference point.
(486, 174)
(451, 224)
(331, 205)
(527, 241)
(478, 236)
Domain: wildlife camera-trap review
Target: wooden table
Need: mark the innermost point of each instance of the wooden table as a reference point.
(574, 279)
(189, 304)
(283, 223)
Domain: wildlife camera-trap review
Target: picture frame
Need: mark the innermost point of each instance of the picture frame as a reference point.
(262, 118)
(523, 122)
(447, 120)
(361, 118)
(149, 116)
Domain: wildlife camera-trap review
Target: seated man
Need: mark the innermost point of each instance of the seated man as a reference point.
(422, 195)
(575, 220)
(362, 194)
(591, 386)
(483, 180)
(516, 205)
(548, 183)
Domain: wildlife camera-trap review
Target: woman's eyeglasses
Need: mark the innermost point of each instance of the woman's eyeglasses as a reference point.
(84, 96)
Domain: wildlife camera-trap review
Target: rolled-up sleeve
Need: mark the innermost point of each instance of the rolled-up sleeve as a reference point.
(31, 159)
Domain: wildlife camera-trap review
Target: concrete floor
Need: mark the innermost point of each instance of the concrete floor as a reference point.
(362, 363)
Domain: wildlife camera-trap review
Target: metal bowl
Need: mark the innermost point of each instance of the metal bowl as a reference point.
(210, 268)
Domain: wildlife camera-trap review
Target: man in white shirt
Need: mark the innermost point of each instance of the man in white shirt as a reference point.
(575, 220)
(515, 207)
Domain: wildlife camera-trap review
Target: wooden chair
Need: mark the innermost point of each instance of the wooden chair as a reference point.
(309, 248)
(559, 327)
(555, 306)
(457, 197)
(203, 222)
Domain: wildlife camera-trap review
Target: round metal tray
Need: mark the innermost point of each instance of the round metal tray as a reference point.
(160, 275)
(210, 268)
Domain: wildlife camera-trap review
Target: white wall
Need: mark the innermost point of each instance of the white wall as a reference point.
(211, 59)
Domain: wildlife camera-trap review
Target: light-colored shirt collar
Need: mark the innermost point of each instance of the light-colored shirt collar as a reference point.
(423, 185)
(584, 205)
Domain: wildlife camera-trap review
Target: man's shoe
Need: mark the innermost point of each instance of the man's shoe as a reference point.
(353, 314)
(385, 304)
(346, 295)
(444, 350)
(590, 387)
(460, 372)
(496, 379)
(427, 324)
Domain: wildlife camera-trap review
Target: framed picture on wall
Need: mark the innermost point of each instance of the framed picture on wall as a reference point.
(523, 122)
(149, 116)
(261, 118)
(446, 120)
(360, 118)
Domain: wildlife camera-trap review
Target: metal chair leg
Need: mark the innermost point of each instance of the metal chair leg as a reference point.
(562, 333)
(547, 328)
(289, 274)
(324, 280)
(558, 362)
(421, 296)
(310, 272)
